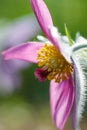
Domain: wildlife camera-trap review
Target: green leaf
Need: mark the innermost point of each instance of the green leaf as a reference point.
(68, 35)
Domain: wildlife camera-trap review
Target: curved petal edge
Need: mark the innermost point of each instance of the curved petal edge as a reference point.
(61, 101)
(26, 51)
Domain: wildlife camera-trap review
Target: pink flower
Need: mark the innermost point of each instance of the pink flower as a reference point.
(56, 63)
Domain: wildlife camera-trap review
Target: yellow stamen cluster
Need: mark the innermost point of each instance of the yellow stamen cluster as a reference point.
(54, 63)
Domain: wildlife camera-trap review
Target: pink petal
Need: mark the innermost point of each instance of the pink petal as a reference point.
(41, 74)
(27, 52)
(61, 101)
(43, 16)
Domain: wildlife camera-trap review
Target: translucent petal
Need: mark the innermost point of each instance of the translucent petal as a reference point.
(26, 51)
(61, 101)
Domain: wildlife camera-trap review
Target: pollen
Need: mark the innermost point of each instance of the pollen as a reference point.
(50, 59)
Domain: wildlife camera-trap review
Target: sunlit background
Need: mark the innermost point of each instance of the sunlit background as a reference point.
(24, 102)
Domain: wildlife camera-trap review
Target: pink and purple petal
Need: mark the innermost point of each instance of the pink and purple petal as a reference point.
(44, 18)
(41, 74)
(61, 101)
(27, 52)
(43, 15)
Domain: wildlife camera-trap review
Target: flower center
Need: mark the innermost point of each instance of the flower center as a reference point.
(50, 59)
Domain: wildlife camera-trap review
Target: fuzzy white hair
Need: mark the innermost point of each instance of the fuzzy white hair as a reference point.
(80, 82)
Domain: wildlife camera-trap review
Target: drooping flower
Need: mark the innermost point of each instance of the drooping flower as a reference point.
(11, 33)
(59, 61)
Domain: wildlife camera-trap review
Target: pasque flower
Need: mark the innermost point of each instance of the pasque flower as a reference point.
(58, 61)
(11, 33)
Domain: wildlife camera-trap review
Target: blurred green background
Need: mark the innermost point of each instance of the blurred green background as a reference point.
(28, 107)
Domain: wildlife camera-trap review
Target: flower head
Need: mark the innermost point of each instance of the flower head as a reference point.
(53, 63)
(57, 62)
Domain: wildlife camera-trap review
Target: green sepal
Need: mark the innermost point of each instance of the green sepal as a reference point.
(68, 35)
